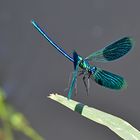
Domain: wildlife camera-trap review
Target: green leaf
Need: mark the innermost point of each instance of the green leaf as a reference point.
(119, 126)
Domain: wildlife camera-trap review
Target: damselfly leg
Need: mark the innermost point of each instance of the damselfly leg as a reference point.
(69, 82)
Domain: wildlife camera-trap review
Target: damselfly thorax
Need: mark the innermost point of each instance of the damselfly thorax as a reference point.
(87, 69)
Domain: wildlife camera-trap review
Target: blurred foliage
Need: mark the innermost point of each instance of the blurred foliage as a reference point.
(11, 121)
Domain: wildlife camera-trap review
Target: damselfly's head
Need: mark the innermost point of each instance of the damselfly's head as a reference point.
(92, 70)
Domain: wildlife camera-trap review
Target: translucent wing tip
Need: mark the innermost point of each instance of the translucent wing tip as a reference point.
(132, 42)
(124, 85)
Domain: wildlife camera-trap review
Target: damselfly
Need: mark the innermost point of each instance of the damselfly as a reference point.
(104, 78)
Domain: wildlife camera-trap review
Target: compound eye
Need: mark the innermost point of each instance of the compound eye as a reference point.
(93, 69)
